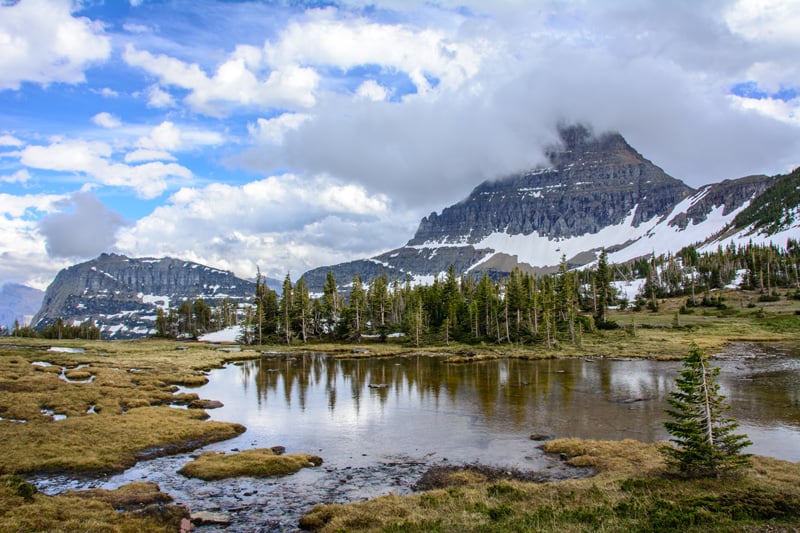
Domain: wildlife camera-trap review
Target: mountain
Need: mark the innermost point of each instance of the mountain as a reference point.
(596, 192)
(121, 295)
(18, 303)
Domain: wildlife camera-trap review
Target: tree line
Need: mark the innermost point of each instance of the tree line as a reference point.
(521, 308)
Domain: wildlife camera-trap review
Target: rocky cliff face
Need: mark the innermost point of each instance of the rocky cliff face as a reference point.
(597, 192)
(593, 182)
(122, 295)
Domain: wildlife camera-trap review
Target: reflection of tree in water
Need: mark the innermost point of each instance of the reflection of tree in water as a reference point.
(597, 399)
(513, 386)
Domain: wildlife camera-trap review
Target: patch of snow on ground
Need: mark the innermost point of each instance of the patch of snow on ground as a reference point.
(628, 289)
(229, 334)
(737, 280)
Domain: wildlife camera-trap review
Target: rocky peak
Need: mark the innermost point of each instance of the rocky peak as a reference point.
(593, 181)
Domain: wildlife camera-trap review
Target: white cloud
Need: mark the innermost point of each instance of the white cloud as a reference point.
(169, 137)
(774, 21)
(274, 129)
(20, 176)
(326, 39)
(372, 90)
(784, 111)
(106, 120)
(107, 92)
(165, 136)
(41, 42)
(93, 159)
(233, 84)
(159, 98)
(22, 247)
(281, 222)
(140, 155)
(10, 140)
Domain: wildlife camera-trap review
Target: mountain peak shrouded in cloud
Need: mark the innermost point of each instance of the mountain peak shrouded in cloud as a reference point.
(289, 135)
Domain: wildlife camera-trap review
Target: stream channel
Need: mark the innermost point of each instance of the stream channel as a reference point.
(379, 424)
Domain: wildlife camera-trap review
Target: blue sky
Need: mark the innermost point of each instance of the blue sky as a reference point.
(289, 135)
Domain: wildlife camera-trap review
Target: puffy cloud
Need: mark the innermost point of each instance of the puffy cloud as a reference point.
(660, 73)
(106, 120)
(282, 222)
(773, 21)
(93, 159)
(9, 140)
(170, 137)
(372, 90)
(235, 83)
(23, 257)
(42, 42)
(782, 110)
(159, 98)
(273, 130)
(83, 228)
(326, 39)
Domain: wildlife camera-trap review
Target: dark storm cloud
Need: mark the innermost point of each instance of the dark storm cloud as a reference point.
(84, 229)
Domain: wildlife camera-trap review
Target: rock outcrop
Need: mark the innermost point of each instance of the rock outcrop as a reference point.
(121, 295)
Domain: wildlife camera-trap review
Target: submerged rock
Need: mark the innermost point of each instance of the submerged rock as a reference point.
(209, 517)
(205, 404)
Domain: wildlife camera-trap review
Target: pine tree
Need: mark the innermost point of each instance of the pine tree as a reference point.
(705, 445)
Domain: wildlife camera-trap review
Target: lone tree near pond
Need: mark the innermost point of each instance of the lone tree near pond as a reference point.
(705, 445)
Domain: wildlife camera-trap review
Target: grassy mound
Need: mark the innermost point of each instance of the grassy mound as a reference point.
(262, 462)
(22, 509)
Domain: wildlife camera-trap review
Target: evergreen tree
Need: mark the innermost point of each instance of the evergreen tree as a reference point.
(286, 308)
(604, 289)
(705, 445)
(331, 305)
(301, 309)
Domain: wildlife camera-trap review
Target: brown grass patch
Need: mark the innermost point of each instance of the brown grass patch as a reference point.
(90, 511)
(262, 462)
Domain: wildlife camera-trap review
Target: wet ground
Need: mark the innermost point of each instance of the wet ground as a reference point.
(277, 504)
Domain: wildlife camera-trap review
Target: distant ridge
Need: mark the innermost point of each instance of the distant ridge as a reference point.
(122, 295)
(18, 303)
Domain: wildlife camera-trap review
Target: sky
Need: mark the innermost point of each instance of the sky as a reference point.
(286, 135)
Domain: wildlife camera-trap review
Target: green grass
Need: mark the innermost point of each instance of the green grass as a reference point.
(632, 491)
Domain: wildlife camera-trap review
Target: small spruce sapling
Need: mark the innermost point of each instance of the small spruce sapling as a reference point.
(705, 444)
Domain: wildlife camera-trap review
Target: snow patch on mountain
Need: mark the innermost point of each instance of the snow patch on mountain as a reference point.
(663, 238)
(541, 251)
(750, 234)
